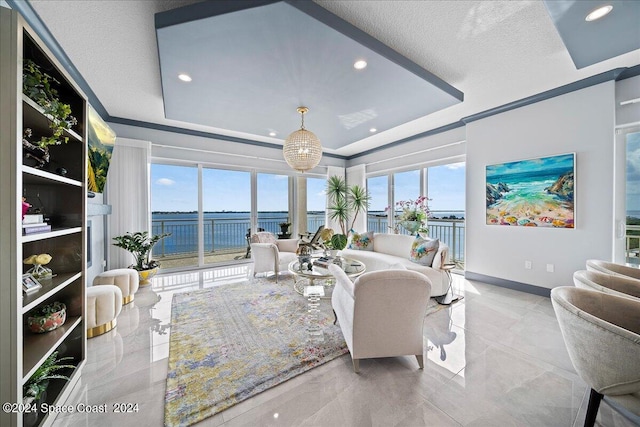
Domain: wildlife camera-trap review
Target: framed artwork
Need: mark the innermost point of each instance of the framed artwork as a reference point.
(100, 147)
(532, 193)
(29, 283)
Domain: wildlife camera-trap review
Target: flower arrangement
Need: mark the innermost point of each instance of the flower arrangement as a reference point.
(413, 214)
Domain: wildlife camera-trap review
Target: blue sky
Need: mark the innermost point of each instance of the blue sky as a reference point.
(175, 188)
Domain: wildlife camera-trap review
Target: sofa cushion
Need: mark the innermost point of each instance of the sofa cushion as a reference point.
(361, 241)
(394, 244)
(423, 251)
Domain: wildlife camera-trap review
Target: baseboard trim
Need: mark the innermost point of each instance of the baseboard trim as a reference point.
(510, 284)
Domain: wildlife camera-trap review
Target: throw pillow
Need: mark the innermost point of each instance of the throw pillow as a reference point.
(361, 241)
(423, 251)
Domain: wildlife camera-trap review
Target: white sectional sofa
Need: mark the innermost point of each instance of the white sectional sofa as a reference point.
(390, 249)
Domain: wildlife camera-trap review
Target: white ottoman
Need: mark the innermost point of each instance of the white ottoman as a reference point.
(124, 278)
(104, 303)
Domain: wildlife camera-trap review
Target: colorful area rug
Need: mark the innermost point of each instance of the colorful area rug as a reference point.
(232, 342)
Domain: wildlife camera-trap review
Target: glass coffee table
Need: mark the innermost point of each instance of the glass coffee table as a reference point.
(303, 276)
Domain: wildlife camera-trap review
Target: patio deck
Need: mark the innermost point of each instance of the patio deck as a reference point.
(191, 260)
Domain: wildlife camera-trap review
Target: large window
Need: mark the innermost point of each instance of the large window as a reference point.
(632, 169)
(378, 188)
(446, 191)
(445, 188)
(316, 203)
(273, 201)
(406, 186)
(174, 209)
(226, 205)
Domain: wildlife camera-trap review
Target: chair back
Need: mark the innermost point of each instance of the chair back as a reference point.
(602, 335)
(388, 314)
(263, 237)
(613, 268)
(315, 238)
(622, 286)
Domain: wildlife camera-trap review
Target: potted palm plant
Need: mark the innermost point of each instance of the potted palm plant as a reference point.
(35, 390)
(139, 244)
(345, 203)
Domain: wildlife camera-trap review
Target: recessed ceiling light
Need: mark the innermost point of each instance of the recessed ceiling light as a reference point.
(598, 13)
(184, 77)
(359, 65)
(272, 134)
(372, 130)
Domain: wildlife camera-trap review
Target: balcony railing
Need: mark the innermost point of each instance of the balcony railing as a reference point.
(226, 235)
(221, 235)
(633, 244)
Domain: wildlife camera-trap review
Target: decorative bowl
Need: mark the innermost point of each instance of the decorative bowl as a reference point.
(41, 324)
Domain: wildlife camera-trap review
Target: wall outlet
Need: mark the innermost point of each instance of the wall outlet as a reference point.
(550, 268)
(527, 265)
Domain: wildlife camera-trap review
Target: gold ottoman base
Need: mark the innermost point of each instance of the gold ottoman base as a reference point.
(102, 329)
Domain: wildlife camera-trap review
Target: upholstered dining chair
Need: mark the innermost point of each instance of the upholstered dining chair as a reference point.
(614, 284)
(271, 254)
(381, 314)
(613, 268)
(602, 335)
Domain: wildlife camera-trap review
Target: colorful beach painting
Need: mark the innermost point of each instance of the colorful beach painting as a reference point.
(532, 193)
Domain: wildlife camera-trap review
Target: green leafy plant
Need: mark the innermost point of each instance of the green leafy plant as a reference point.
(48, 310)
(140, 245)
(39, 86)
(346, 202)
(39, 381)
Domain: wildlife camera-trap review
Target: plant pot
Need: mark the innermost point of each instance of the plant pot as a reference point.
(145, 276)
(411, 226)
(41, 324)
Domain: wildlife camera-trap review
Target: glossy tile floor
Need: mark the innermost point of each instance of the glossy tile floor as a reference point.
(495, 358)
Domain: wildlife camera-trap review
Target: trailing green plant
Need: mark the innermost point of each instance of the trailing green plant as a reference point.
(39, 381)
(346, 202)
(140, 245)
(48, 309)
(39, 86)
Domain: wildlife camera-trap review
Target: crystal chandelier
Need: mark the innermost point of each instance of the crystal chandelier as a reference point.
(302, 149)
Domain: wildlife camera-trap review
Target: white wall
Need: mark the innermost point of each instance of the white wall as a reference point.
(580, 122)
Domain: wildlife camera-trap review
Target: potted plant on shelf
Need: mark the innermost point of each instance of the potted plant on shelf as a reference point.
(34, 391)
(39, 87)
(47, 317)
(345, 203)
(140, 245)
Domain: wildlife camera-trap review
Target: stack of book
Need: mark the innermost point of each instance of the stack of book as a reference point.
(323, 261)
(34, 223)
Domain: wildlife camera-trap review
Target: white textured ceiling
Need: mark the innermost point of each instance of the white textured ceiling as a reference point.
(495, 52)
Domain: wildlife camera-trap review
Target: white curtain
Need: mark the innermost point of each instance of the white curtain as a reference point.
(127, 191)
(356, 175)
(333, 171)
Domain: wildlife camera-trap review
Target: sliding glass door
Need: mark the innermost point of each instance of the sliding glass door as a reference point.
(226, 204)
(174, 209)
(273, 202)
(316, 203)
(446, 192)
(377, 217)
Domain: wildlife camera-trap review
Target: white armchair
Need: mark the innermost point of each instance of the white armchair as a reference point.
(613, 268)
(381, 314)
(602, 335)
(614, 284)
(271, 254)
